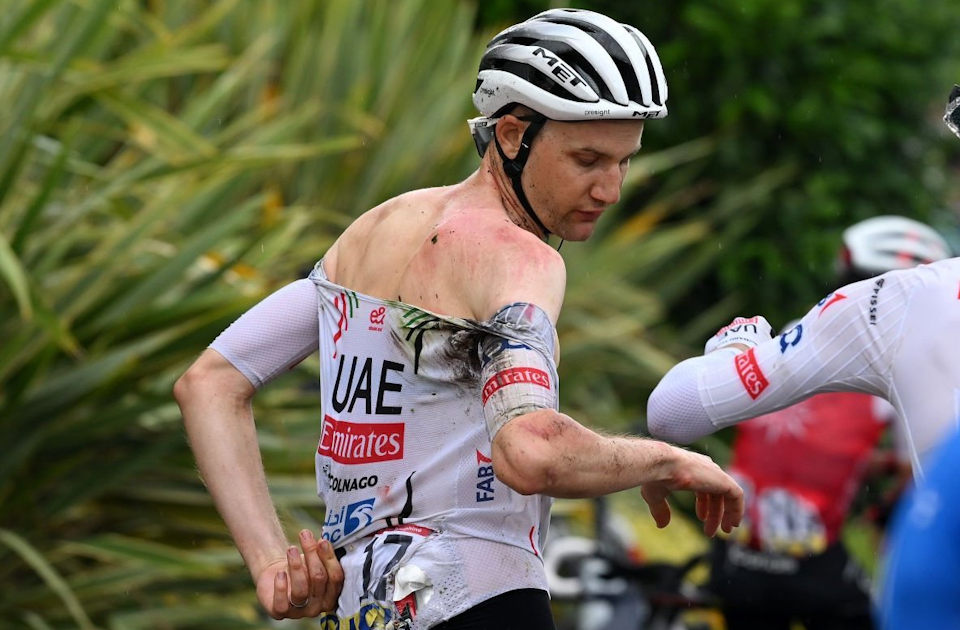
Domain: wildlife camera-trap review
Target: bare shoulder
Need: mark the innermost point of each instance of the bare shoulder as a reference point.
(504, 263)
(451, 250)
(383, 236)
(405, 211)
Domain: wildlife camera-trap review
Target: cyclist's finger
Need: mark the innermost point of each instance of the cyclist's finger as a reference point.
(656, 498)
(702, 505)
(661, 513)
(281, 603)
(733, 511)
(316, 572)
(712, 514)
(334, 576)
(299, 580)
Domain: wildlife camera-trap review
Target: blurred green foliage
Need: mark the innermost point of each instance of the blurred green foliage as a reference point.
(846, 96)
(163, 166)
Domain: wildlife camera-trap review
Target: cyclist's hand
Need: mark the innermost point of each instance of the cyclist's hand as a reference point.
(742, 333)
(301, 585)
(719, 498)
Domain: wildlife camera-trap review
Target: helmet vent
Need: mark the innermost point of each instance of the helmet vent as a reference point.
(619, 57)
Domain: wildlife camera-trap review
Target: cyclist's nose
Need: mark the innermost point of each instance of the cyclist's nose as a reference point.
(606, 189)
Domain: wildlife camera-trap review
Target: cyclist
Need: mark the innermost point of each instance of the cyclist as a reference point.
(801, 467)
(881, 336)
(441, 444)
(920, 587)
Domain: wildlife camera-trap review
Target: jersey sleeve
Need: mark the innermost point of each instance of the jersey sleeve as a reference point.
(518, 370)
(273, 336)
(841, 344)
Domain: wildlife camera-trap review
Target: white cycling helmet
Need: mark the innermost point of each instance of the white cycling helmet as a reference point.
(569, 65)
(885, 243)
(952, 114)
(572, 64)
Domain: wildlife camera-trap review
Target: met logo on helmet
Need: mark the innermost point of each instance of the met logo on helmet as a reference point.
(558, 68)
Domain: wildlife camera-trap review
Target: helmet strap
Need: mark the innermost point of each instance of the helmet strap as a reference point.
(513, 168)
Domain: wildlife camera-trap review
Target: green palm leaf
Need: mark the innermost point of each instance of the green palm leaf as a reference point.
(164, 167)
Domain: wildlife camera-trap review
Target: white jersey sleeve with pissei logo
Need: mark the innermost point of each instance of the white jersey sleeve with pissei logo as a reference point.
(894, 336)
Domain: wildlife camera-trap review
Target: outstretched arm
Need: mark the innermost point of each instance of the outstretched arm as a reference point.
(745, 373)
(537, 449)
(547, 452)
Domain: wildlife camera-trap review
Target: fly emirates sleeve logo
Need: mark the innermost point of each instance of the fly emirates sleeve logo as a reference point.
(361, 443)
(750, 374)
(512, 376)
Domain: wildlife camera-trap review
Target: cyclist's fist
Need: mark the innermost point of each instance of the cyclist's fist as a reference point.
(745, 331)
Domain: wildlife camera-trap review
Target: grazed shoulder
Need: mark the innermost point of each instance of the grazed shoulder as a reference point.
(501, 262)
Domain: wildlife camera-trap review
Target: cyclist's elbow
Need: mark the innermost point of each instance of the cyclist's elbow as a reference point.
(211, 377)
(525, 457)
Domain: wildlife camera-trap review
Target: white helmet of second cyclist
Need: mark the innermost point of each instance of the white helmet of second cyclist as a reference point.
(952, 115)
(572, 64)
(886, 243)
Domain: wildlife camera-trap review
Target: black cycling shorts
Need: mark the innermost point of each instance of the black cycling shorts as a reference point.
(523, 609)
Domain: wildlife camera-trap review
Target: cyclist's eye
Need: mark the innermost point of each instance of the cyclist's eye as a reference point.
(586, 161)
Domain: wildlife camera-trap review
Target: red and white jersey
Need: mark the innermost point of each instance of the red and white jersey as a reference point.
(405, 448)
(895, 336)
(800, 468)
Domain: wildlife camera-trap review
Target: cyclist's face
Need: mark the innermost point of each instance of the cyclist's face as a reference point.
(575, 172)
